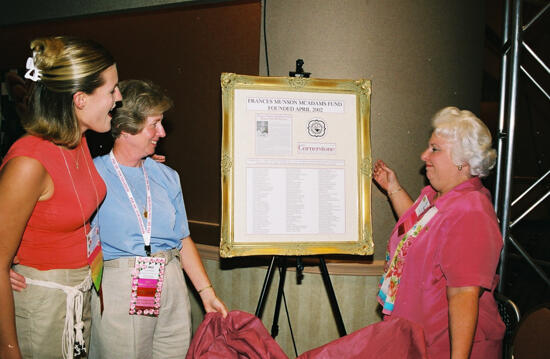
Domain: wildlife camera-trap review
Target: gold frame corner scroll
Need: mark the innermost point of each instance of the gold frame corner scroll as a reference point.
(296, 166)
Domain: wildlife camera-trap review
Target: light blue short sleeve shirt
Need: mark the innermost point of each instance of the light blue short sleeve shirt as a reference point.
(118, 225)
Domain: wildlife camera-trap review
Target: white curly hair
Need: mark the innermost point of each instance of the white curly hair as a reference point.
(471, 139)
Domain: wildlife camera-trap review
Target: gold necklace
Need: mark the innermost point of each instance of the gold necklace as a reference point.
(133, 189)
(75, 155)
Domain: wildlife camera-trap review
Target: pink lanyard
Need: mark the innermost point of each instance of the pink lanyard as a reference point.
(146, 233)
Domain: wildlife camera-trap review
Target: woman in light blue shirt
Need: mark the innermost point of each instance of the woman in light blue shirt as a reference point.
(146, 311)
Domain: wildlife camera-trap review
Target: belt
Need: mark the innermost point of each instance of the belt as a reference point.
(130, 262)
(73, 336)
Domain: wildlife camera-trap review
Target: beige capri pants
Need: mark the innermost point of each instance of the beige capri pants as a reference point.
(40, 311)
(117, 334)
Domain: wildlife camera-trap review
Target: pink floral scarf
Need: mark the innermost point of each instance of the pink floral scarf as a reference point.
(389, 284)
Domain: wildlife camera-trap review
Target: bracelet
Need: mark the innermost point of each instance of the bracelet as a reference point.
(205, 288)
(394, 192)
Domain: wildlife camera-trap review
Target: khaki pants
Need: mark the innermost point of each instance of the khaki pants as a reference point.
(40, 311)
(117, 334)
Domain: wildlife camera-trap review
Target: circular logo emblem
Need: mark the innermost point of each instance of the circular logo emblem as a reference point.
(316, 128)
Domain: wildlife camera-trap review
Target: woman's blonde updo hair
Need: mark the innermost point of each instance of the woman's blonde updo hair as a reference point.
(67, 65)
(140, 99)
(470, 138)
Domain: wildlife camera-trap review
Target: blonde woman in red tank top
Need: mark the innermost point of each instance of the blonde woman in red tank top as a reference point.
(49, 189)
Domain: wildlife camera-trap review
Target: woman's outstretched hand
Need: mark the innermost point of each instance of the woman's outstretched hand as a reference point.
(212, 303)
(385, 177)
(387, 180)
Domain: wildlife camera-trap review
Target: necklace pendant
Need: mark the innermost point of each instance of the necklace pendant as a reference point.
(145, 214)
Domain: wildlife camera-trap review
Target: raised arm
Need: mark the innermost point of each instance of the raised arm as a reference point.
(387, 180)
(23, 182)
(193, 267)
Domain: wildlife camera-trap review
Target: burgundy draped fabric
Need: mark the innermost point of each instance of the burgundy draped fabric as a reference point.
(391, 338)
(240, 335)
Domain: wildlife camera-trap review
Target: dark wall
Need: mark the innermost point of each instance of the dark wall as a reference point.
(26, 11)
(184, 50)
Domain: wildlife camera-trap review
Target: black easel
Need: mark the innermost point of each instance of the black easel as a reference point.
(299, 72)
(282, 266)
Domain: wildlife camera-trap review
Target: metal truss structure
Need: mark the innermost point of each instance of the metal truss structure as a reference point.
(516, 56)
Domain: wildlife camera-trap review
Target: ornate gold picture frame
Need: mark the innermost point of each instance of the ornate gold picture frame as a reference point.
(295, 166)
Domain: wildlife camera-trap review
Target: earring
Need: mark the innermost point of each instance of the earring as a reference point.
(459, 167)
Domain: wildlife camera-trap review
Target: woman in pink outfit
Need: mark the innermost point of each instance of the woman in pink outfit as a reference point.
(444, 250)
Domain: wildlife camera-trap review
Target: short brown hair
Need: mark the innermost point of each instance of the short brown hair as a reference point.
(140, 99)
(67, 65)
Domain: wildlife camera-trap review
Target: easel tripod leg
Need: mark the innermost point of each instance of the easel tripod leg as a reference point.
(282, 276)
(332, 297)
(268, 276)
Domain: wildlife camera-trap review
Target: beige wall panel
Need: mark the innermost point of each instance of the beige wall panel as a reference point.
(421, 55)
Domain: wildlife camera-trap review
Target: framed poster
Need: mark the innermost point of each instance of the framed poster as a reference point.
(295, 166)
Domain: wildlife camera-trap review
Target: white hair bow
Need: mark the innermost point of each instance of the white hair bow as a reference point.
(33, 72)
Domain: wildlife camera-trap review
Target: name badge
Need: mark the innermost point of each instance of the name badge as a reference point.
(147, 279)
(424, 204)
(92, 240)
(95, 256)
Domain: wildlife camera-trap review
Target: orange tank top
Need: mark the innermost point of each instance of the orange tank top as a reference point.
(55, 234)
